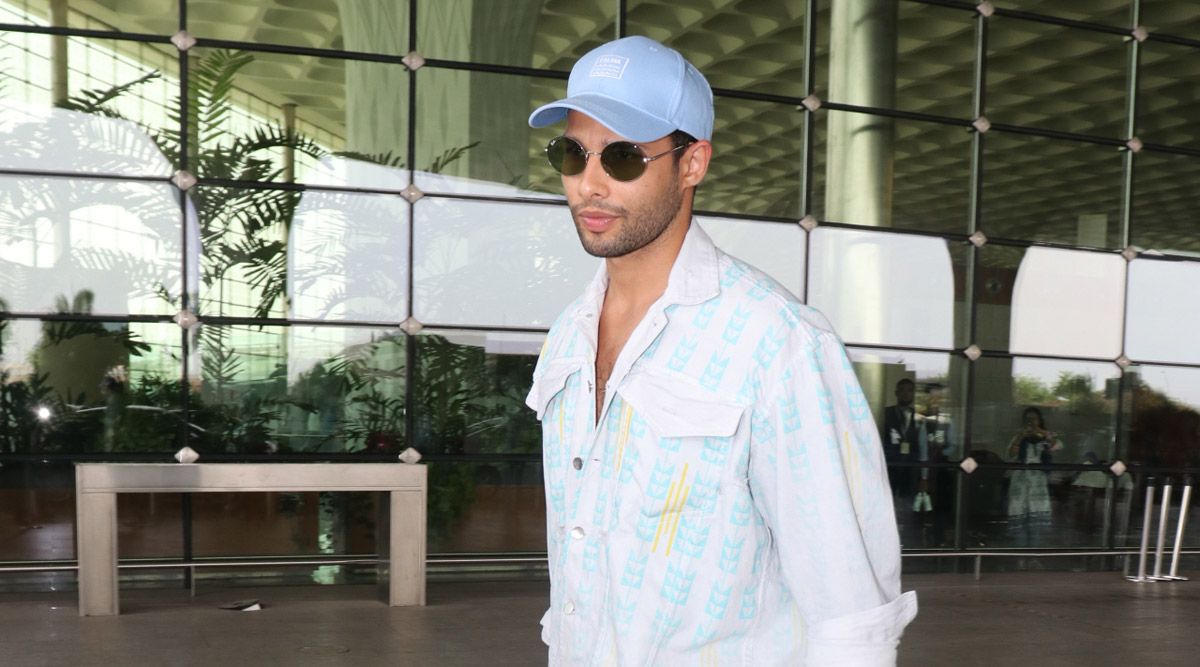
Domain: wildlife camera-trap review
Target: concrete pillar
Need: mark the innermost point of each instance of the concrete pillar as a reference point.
(58, 53)
(858, 167)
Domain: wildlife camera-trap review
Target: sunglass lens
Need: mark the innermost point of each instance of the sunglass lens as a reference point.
(623, 161)
(566, 156)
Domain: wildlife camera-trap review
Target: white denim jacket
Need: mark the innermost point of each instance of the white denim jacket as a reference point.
(731, 506)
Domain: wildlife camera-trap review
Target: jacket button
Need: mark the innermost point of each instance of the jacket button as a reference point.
(569, 608)
(577, 533)
(577, 463)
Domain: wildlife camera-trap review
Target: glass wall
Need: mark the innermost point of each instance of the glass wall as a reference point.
(322, 230)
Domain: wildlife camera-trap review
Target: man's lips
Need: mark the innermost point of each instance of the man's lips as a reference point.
(595, 220)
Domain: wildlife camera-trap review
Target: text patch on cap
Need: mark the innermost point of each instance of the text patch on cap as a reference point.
(610, 67)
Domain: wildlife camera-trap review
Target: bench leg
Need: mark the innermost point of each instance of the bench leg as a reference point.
(96, 552)
(401, 545)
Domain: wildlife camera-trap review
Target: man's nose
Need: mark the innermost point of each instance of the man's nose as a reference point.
(594, 181)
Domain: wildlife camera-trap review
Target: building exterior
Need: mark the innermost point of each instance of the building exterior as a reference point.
(303, 230)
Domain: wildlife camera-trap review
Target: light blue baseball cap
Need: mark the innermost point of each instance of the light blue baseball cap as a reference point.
(637, 88)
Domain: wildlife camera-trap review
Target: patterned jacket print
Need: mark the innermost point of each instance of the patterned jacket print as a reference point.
(731, 504)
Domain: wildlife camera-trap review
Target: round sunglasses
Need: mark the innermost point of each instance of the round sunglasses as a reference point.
(621, 160)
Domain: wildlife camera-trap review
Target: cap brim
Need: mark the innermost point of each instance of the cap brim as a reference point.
(628, 122)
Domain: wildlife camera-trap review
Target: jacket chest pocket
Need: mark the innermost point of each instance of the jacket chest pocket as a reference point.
(688, 448)
(553, 396)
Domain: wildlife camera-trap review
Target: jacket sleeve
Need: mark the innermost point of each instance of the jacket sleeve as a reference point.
(819, 481)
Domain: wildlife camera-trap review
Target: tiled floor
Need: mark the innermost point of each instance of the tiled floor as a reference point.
(1014, 619)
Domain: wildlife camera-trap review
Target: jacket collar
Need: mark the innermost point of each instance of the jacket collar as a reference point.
(695, 276)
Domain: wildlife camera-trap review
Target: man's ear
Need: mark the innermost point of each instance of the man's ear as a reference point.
(693, 165)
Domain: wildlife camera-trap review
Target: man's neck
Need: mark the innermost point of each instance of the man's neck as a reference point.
(639, 278)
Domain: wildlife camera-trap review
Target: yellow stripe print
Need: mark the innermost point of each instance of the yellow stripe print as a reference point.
(672, 510)
(853, 472)
(626, 419)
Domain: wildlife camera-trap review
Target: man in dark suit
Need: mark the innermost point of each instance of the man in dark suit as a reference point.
(901, 439)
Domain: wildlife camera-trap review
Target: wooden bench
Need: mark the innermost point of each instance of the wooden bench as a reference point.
(400, 529)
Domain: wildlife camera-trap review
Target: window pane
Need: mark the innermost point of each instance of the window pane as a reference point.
(776, 248)
(498, 264)
(1107, 12)
(74, 387)
(267, 389)
(932, 434)
(1167, 112)
(488, 148)
(745, 46)
(934, 61)
(1166, 202)
(486, 507)
(523, 33)
(38, 521)
(1052, 190)
(755, 168)
(348, 119)
(1175, 17)
(1054, 77)
(891, 289)
(113, 117)
(1162, 314)
(924, 171)
(1041, 507)
(313, 255)
(1077, 400)
(469, 393)
(89, 246)
(1056, 302)
(1165, 426)
(377, 27)
(119, 15)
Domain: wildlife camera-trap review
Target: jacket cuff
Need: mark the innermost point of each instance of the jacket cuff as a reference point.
(867, 637)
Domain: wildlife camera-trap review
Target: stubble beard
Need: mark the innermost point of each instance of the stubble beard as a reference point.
(640, 226)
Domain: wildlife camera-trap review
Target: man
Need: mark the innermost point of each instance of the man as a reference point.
(715, 489)
(902, 440)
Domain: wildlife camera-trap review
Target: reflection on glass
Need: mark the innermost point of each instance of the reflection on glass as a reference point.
(891, 289)
(271, 524)
(917, 399)
(521, 33)
(91, 106)
(755, 168)
(925, 186)
(1077, 401)
(264, 389)
(72, 386)
(487, 263)
(312, 255)
(746, 46)
(376, 27)
(1166, 197)
(487, 507)
(118, 15)
(1175, 17)
(488, 148)
(1108, 13)
(1040, 412)
(1165, 426)
(1065, 302)
(1161, 319)
(37, 511)
(1071, 510)
(1167, 112)
(774, 248)
(469, 393)
(282, 117)
(1051, 190)
(1055, 77)
(934, 60)
(1049, 301)
(88, 246)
